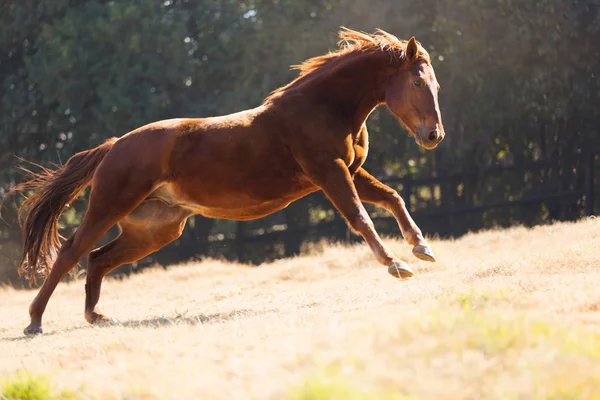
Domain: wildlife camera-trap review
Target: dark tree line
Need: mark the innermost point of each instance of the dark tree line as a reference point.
(519, 83)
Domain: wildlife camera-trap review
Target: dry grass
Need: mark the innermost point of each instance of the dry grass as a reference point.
(508, 314)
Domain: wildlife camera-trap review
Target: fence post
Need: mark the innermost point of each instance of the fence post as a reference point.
(239, 241)
(589, 184)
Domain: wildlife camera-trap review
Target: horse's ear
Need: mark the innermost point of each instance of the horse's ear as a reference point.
(412, 49)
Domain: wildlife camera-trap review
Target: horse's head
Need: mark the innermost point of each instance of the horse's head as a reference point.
(412, 95)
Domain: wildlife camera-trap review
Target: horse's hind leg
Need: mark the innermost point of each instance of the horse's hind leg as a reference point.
(151, 226)
(102, 213)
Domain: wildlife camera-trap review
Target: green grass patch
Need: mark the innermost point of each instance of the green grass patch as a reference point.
(479, 299)
(26, 387)
(495, 329)
(335, 386)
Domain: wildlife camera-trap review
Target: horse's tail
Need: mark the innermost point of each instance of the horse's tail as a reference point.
(53, 190)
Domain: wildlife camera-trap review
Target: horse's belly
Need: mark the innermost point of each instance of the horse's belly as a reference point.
(241, 214)
(233, 201)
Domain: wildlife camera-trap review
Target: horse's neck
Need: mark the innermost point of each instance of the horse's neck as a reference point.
(354, 88)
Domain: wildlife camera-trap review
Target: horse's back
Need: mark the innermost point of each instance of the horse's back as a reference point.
(227, 163)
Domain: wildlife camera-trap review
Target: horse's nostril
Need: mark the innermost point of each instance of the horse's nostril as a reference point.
(433, 135)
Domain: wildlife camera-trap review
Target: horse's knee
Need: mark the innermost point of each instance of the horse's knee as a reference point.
(395, 201)
(361, 223)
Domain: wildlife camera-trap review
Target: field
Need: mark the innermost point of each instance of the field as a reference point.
(503, 314)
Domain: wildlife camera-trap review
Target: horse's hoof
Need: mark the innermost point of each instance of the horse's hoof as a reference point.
(423, 253)
(400, 269)
(101, 320)
(105, 321)
(32, 330)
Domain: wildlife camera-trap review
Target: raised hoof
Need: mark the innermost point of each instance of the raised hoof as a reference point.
(423, 253)
(32, 330)
(400, 269)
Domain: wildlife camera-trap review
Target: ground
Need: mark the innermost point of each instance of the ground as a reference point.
(511, 314)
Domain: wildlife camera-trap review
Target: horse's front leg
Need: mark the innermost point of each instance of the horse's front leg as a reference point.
(336, 182)
(370, 190)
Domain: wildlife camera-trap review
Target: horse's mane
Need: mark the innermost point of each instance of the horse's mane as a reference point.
(352, 42)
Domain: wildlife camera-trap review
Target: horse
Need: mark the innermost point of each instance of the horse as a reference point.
(306, 136)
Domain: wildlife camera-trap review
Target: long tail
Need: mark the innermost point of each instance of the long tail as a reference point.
(53, 190)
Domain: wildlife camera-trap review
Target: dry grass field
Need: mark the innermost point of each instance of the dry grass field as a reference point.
(503, 314)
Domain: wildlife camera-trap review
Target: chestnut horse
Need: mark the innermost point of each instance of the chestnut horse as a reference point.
(306, 136)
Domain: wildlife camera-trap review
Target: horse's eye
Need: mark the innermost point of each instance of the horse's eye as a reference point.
(418, 83)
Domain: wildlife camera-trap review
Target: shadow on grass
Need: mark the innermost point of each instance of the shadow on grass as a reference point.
(158, 322)
(200, 319)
